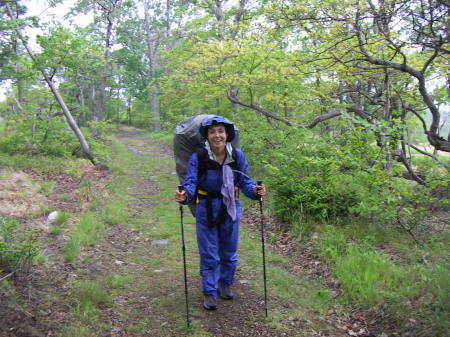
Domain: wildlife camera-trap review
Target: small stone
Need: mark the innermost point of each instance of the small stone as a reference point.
(158, 271)
(52, 216)
(160, 242)
(244, 281)
(165, 324)
(119, 262)
(290, 318)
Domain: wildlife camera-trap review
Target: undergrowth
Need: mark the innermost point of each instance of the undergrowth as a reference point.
(391, 280)
(18, 247)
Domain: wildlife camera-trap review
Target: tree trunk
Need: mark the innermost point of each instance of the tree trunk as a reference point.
(92, 100)
(105, 75)
(155, 109)
(80, 99)
(152, 41)
(73, 125)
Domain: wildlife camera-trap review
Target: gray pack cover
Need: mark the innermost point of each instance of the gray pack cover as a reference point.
(188, 139)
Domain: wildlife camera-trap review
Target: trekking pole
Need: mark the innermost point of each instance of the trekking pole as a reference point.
(259, 183)
(188, 321)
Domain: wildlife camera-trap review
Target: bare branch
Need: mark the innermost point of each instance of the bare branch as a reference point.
(237, 18)
(401, 157)
(313, 123)
(429, 155)
(424, 124)
(429, 61)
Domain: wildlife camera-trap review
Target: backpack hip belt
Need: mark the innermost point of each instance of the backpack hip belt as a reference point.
(201, 194)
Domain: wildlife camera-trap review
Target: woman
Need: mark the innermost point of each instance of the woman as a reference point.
(215, 174)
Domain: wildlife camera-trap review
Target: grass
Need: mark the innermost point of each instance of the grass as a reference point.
(87, 232)
(42, 164)
(46, 187)
(18, 247)
(116, 282)
(366, 275)
(60, 220)
(71, 250)
(56, 230)
(91, 294)
(372, 279)
(65, 196)
(89, 297)
(115, 211)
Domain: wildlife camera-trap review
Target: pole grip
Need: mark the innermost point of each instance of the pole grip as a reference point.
(180, 189)
(259, 183)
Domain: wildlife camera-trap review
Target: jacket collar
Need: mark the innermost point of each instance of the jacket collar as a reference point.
(228, 148)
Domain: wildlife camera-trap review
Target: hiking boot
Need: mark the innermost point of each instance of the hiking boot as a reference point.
(226, 293)
(210, 302)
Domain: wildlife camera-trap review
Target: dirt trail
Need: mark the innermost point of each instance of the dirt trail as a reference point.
(152, 302)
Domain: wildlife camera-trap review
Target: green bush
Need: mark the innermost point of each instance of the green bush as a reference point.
(312, 188)
(54, 138)
(17, 248)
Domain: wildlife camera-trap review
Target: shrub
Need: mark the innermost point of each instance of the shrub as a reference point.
(313, 188)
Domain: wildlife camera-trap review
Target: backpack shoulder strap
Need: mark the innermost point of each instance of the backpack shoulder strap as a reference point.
(202, 155)
(234, 165)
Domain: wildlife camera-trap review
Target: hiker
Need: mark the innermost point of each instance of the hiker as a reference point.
(214, 176)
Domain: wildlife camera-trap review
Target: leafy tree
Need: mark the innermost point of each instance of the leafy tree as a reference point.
(371, 52)
(46, 67)
(107, 12)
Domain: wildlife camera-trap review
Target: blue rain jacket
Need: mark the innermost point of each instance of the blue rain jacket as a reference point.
(217, 245)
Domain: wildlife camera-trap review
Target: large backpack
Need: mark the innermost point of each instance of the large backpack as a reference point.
(187, 140)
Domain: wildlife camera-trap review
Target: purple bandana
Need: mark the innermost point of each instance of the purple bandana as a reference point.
(227, 191)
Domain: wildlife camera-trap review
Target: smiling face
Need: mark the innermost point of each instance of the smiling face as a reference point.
(217, 137)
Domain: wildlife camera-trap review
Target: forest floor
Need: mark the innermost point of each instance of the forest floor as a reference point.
(138, 261)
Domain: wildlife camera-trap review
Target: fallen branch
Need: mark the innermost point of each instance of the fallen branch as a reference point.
(7, 276)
